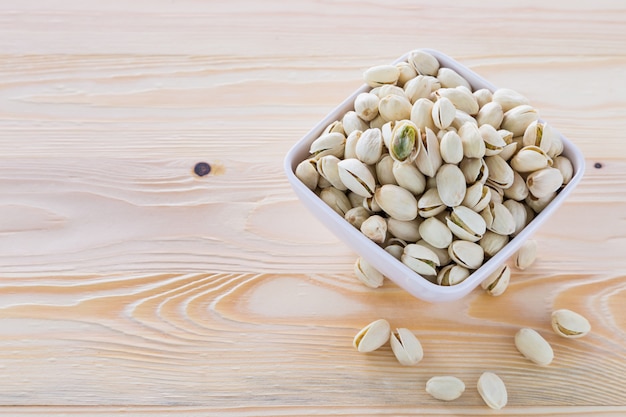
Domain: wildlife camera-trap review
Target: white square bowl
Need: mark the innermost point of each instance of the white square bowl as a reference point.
(389, 266)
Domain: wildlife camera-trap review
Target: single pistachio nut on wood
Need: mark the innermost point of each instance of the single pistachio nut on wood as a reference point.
(381, 74)
(372, 336)
(367, 274)
(396, 201)
(526, 254)
(366, 106)
(420, 259)
(357, 177)
(405, 141)
(492, 390)
(406, 347)
(445, 388)
(452, 275)
(497, 282)
(569, 324)
(375, 228)
(423, 62)
(534, 347)
(467, 254)
(466, 224)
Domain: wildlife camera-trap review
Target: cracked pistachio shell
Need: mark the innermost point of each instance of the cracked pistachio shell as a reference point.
(420, 259)
(518, 190)
(461, 118)
(494, 143)
(372, 336)
(422, 114)
(451, 148)
(336, 199)
(519, 213)
(445, 388)
(477, 197)
(518, 118)
(544, 182)
(367, 274)
(375, 228)
(461, 97)
(556, 148)
(395, 250)
(430, 204)
(449, 78)
(428, 158)
(356, 216)
(381, 74)
(357, 177)
(409, 177)
(407, 72)
(351, 122)
(370, 204)
(492, 390)
(467, 254)
(508, 98)
(538, 204)
(435, 232)
(366, 106)
(351, 141)
(329, 144)
(397, 202)
(483, 96)
(452, 275)
(539, 134)
(407, 230)
(498, 218)
(529, 159)
(442, 253)
(394, 107)
(306, 171)
(496, 283)
(466, 224)
(405, 143)
(421, 86)
(526, 254)
(473, 143)
(384, 170)
(490, 114)
(369, 147)
(534, 347)
(406, 347)
(377, 122)
(387, 131)
(497, 193)
(443, 113)
(564, 165)
(474, 170)
(388, 89)
(334, 127)
(501, 174)
(423, 62)
(492, 242)
(355, 199)
(327, 167)
(451, 185)
(508, 151)
(569, 324)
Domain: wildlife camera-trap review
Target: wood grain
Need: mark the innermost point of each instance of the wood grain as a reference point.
(129, 285)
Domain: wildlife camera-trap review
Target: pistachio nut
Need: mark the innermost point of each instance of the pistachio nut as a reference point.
(483, 96)
(420, 259)
(428, 158)
(492, 390)
(443, 113)
(322, 183)
(334, 127)
(556, 148)
(501, 175)
(449, 78)
(422, 114)
(467, 254)
(329, 144)
(494, 142)
(366, 106)
(445, 388)
(384, 170)
(451, 148)
(442, 253)
(461, 118)
(375, 228)
(423, 62)
(508, 151)
(356, 216)
(452, 275)
(497, 193)
(421, 86)
(405, 142)
(430, 204)
(407, 72)
(367, 274)
(539, 134)
(435, 232)
(461, 97)
(388, 89)
(396, 201)
(336, 200)
(533, 346)
(407, 230)
(538, 204)
(306, 171)
(570, 324)
(518, 190)
(381, 74)
(350, 146)
(498, 218)
(357, 177)
(409, 177)
(451, 185)
(377, 122)
(563, 164)
(529, 159)
(406, 347)
(519, 213)
(490, 114)
(518, 118)
(395, 249)
(372, 336)
(466, 224)
(526, 254)
(474, 170)
(355, 199)
(508, 98)
(473, 143)
(498, 281)
(370, 204)
(394, 107)
(327, 168)
(477, 196)
(387, 131)
(544, 182)
(351, 122)
(369, 147)
(492, 242)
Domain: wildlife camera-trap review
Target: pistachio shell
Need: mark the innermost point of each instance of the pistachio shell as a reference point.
(544, 182)
(435, 232)
(327, 167)
(356, 216)
(409, 177)
(336, 199)
(445, 388)
(466, 224)
(452, 275)
(564, 165)
(397, 202)
(395, 250)
(461, 97)
(351, 122)
(394, 107)
(369, 147)
(451, 185)
(420, 259)
(492, 242)
(477, 197)
(370, 204)
(494, 143)
(467, 254)
(351, 141)
(407, 230)
(428, 158)
(539, 134)
(388, 89)
(498, 218)
(328, 144)
(449, 78)
(526, 254)
(384, 170)
(372, 336)
(508, 151)
(497, 282)
(407, 72)
(306, 171)
(483, 96)
(334, 127)
(422, 114)
(569, 324)
(518, 118)
(381, 74)
(442, 253)
(529, 159)
(508, 98)
(443, 113)
(451, 148)
(377, 122)
(501, 175)
(423, 62)
(366, 106)
(519, 213)
(538, 204)
(534, 347)
(492, 390)
(420, 87)
(490, 114)
(375, 228)
(474, 170)
(461, 118)
(430, 204)
(405, 143)
(518, 190)
(367, 274)
(473, 143)
(357, 177)
(406, 347)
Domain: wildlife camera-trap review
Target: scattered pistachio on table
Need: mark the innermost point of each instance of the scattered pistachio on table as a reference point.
(534, 347)
(569, 324)
(445, 388)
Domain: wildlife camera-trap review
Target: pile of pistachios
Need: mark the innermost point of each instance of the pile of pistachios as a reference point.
(438, 174)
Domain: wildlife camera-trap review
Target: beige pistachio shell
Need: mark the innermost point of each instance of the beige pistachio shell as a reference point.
(404, 143)
(466, 224)
(451, 185)
(435, 232)
(306, 171)
(407, 72)
(397, 202)
(329, 144)
(372, 336)
(518, 190)
(461, 97)
(420, 259)
(494, 142)
(519, 213)
(366, 106)
(406, 347)
(333, 127)
(351, 141)
(563, 164)
(381, 74)
(492, 242)
(370, 204)
(421, 86)
(442, 253)
(357, 177)
(452, 275)
(375, 228)
(538, 204)
(490, 114)
(367, 274)
(539, 134)
(501, 174)
(483, 96)
(351, 122)
(408, 176)
(357, 215)
(406, 230)
(474, 170)
(449, 78)
(498, 218)
(369, 147)
(518, 118)
(377, 122)
(526, 254)
(569, 324)
(428, 158)
(492, 390)
(384, 170)
(534, 347)
(335, 199)
(423, 62)
(477, 196)
(395, 250)
(451, 148)
(529, 159)
(497, 282)
(388, 89)
(443, 113)
(473, 143)
(394, 107)
(422, 114)
(544, 182)
(445, 388)
(430, 203)
(327, 166)
(467, 254)
(508, 98)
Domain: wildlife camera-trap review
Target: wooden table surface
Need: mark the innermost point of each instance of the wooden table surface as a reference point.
(131, 286)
